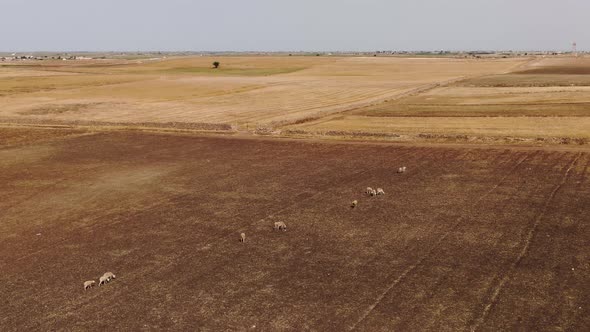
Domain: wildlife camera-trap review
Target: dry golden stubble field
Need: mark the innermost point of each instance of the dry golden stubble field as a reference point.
(547, 100)
(544, 100)
(244, 90)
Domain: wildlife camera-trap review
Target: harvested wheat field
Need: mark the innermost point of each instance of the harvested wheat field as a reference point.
(544, 100)
(243, 91)
(512, 100)
(468, 238)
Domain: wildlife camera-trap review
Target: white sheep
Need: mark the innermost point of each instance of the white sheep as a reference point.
(380, 191)
(369, 190)
(243, 237)
(279, 225)
(89, 284)
(404, 169)
(373, 192)
(401, 169)
(102, 281)
(109, 275)
(354, 204)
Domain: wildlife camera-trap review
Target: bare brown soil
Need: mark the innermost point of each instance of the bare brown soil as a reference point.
(483, 239)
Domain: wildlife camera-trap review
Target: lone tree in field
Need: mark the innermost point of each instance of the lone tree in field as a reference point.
(216, 64)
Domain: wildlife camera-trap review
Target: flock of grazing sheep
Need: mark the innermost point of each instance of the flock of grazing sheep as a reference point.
(371, 192)
(281, 226)
(379, 191)
(106, 278)
(278, 226)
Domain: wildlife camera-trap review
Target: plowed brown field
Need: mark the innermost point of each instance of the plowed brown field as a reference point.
(468, 238)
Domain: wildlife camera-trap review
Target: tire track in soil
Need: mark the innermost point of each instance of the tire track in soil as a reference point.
(527, 243)
(501, 207)
(492, 175)
(323, 117)
(584, 176)
(222, 234)
(412, 267)
(559, 162)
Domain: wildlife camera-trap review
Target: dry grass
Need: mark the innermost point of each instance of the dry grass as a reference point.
(381, 96)
(245, 90)
(547, 100)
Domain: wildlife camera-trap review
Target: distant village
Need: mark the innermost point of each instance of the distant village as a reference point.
(18, 57)
(13, 57)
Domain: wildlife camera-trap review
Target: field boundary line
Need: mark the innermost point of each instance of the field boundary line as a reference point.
(323, 116)
(527, 244)
(584, 173)
(431, 250)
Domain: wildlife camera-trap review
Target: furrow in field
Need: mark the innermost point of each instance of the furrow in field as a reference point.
(496, 290)
(467, 271)
(432, 249)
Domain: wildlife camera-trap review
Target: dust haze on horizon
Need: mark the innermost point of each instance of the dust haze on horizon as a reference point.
(305, 25)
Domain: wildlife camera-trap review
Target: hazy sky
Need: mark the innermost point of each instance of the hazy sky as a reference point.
(280, 25)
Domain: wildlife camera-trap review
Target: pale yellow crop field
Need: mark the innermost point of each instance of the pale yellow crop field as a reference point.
(243, 91)
(546, 98)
